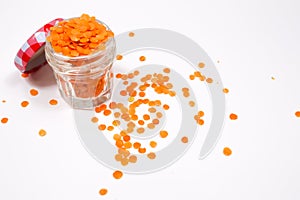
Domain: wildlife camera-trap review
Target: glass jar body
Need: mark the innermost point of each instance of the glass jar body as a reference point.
(84, 81)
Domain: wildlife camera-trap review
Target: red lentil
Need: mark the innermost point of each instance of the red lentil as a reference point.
(24, 75)
(117, 174)
(34, 92)
(24, 103)
(119, 57)
(227, 151)
(131, 34)
(42, 132)
(201, 65)
(4, 120)
(142, 58)
(233, 116)
(53, 102)
(184, 139)
(225, 90)
(163, 134)
(103, 191)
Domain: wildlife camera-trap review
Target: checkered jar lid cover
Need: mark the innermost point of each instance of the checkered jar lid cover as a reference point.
(31, 55)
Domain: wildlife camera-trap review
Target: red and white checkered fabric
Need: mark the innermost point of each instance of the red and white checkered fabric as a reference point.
(31, 47)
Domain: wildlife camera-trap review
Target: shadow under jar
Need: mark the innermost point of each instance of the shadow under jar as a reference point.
(84, 81)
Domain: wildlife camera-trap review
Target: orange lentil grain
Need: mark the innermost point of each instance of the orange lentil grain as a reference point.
(184, 139)
(151, 155)
(142, 94)
(131, 34)
(227, 151)
(152, 110)
(123, 133)
(97, 109)
(34, 92)
(233, 116)
(146, 117)
(117, 137)
(107, 112)
(117, 114)
(163, 134)
(192, 77)
(136, 145)
(297, 113)
(110, 128)
(151, 126)
(196, 117)
(116, 122)
(119, 57)
(42, 132)
(129, 129)
(130, 75)
(103, 191)
(132, 159)
(200, 122)
(124, 161)
(142, 150)
(127, 145)
(94, 119)
(172, 93)
(200, 113)
(166, 107)
(53, 102)
(186, 94)
(155, 121)
(140, 130)
(134, 117)
(151, 103)
(126, 138)
(145, 101)
(209, 80)
(118, 75)
(123, 92)
(102, 107)
(4, 120)
(153, 144)
(24, 75)
(133, 93)
(117, 174)
(192, 103)
(141, 122)
(131, 124)
(24, 104)
(142, 58)
(157, 102)
(118, 157)
(102, 127)
(197, 74)
(225, 90)
(112, 105)
(185, 89)
(159, 115)
(124, 77)
(119, 143)
(201, 65)
(166, 70)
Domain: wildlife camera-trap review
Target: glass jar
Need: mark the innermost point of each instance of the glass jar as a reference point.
(84, 81)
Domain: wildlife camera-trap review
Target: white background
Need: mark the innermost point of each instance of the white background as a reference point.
(252, 40)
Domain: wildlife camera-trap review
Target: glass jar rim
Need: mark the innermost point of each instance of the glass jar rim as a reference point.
(92, 55)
